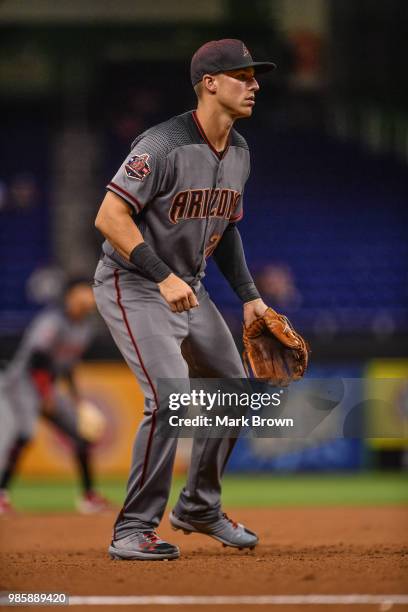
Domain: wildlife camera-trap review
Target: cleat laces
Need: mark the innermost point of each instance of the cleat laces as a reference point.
(151, 537)
(233, 523)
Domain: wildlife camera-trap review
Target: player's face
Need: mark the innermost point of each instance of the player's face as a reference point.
(236, 91)
(79, 302)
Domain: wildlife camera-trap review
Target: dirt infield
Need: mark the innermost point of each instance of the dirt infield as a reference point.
(302, 551)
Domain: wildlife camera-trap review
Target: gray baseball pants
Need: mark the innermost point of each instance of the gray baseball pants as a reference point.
(157, 343)
(20, 410)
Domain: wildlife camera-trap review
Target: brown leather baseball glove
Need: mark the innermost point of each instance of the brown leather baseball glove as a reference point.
(274, 350)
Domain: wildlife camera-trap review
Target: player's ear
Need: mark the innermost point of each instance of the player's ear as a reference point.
(210, 83)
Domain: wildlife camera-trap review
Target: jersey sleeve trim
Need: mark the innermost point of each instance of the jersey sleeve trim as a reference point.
(125, 195)
(236, 218)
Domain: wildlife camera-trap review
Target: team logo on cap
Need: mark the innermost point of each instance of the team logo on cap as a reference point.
(137, 167)
(245, 51)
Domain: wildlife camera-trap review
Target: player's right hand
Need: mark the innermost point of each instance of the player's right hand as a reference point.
(47, 406)
(178, 294)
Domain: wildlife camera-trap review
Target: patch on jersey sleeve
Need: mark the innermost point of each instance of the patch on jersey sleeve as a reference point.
(137, 167)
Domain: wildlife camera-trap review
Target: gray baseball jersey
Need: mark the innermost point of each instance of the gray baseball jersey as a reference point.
(192, 192)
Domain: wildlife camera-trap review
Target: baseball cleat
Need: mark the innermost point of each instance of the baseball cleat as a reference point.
(92, 503)
(6, 508)
(143, 546)
(223, 529)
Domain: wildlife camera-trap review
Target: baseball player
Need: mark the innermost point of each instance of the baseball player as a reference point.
(175, 201)
(50, 349)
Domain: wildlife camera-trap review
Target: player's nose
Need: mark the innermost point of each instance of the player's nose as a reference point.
(254, 85)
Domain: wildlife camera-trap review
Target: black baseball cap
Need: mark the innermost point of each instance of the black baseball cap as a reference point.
(221, 55)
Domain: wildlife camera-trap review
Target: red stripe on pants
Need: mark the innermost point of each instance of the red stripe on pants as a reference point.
(153, 425)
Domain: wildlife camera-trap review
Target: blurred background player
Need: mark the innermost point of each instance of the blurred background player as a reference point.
(51, 347)
(276, 283)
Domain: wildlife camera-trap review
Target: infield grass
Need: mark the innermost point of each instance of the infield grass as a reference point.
(251, 491)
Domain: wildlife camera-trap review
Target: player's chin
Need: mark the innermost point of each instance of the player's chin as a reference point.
(245, 110)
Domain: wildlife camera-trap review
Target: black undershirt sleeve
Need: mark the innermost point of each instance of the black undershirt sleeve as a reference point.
(41, 360)
(230, 258)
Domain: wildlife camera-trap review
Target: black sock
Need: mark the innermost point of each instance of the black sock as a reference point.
(82, 449)
(12, 462)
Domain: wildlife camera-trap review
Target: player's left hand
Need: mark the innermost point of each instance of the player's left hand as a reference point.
(273, 349)
(253, 310)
